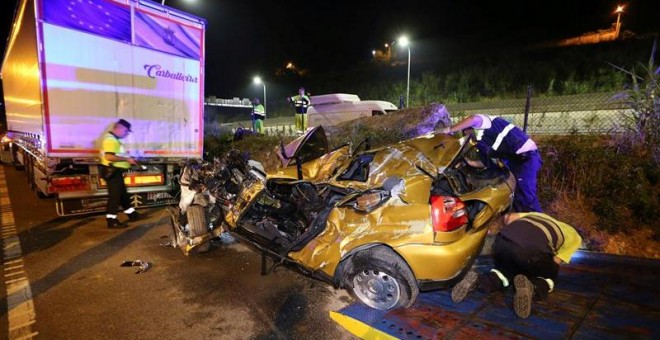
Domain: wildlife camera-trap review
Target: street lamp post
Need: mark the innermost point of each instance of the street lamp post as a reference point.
(257, 80)
(403, 41)
(619, 10)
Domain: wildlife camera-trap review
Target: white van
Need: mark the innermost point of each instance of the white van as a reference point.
(335, 108)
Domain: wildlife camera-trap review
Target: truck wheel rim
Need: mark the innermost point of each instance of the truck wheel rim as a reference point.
(377, 289)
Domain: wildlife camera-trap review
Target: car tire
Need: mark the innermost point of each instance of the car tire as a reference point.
(14, 158)
(381, 279)
(196, 216)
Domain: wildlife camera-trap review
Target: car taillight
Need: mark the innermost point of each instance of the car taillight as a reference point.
(447, 213)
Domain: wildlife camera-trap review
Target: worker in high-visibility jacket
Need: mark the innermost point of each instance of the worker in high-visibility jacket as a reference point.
(114, 162)
(258, 116)
(527, 253)
(301, 102)
(500, 139)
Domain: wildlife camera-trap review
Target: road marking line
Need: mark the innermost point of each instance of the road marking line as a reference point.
(14, 274)
(21, 315)
(16, 280)
(29, 336)
(11, 245)
(14, 267)
(23, 325)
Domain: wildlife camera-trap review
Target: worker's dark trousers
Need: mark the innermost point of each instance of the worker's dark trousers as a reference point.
(512, 259)
(117, 193)
(526, 168)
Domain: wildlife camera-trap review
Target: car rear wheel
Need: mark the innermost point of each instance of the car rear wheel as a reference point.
(381, 279)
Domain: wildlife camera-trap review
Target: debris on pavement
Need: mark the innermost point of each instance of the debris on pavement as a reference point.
(169, 242)
(144, 265)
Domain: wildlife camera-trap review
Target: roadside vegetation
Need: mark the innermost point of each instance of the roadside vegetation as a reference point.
(607, 186)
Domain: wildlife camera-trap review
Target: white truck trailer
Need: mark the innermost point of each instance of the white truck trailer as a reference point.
(73, 68)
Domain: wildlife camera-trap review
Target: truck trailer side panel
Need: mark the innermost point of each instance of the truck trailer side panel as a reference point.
(20, 74)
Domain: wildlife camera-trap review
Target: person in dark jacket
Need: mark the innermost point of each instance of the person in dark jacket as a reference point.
(500, 139)
(528, 251)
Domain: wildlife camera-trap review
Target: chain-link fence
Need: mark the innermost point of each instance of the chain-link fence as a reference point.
(593, 113)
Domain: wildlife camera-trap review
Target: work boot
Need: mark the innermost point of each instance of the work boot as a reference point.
(134, 216)
(115, 224)
(461, 290)
(522, 300)
(489, 283)
(541, 288)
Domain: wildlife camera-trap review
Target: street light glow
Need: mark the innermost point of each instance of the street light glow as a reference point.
(257, 80)
(619, 9)
(403, 41)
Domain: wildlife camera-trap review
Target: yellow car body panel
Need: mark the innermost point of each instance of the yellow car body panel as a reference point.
(440, 262)
(316, 170)
(394, 224)
(403, 222)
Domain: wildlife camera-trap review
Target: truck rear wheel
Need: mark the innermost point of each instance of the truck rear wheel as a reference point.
(14, 158)
(29, 171)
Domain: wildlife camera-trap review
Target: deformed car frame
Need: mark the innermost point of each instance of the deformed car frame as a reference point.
(382, 223)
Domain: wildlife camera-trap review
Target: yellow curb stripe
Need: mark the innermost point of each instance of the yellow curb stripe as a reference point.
(359, 328)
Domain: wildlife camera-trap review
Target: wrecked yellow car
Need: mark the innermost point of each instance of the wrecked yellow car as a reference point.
(382, 223)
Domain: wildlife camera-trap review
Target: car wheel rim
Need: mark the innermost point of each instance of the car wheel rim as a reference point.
(377, 289)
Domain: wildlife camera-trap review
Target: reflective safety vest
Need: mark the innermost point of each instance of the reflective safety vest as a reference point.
(301, 103)
(112, 145)
(259, 111)
(542, 232)
(503, 137)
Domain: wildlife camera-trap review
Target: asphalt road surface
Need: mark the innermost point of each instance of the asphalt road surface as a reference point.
(78, 289)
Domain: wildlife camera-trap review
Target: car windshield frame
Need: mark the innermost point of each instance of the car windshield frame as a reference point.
(310, 146)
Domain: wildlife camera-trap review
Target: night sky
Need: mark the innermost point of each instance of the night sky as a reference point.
(249, 37)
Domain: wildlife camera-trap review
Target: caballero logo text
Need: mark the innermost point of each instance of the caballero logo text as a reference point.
(154, 71)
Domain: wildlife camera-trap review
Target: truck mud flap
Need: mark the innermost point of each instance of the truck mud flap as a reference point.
(81, 206)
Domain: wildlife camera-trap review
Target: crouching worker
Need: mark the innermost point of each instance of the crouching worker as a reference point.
(527, 253)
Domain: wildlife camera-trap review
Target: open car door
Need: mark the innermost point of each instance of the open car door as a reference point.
(308, 158)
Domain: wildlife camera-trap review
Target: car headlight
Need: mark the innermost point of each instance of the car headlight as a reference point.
(367, 201)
